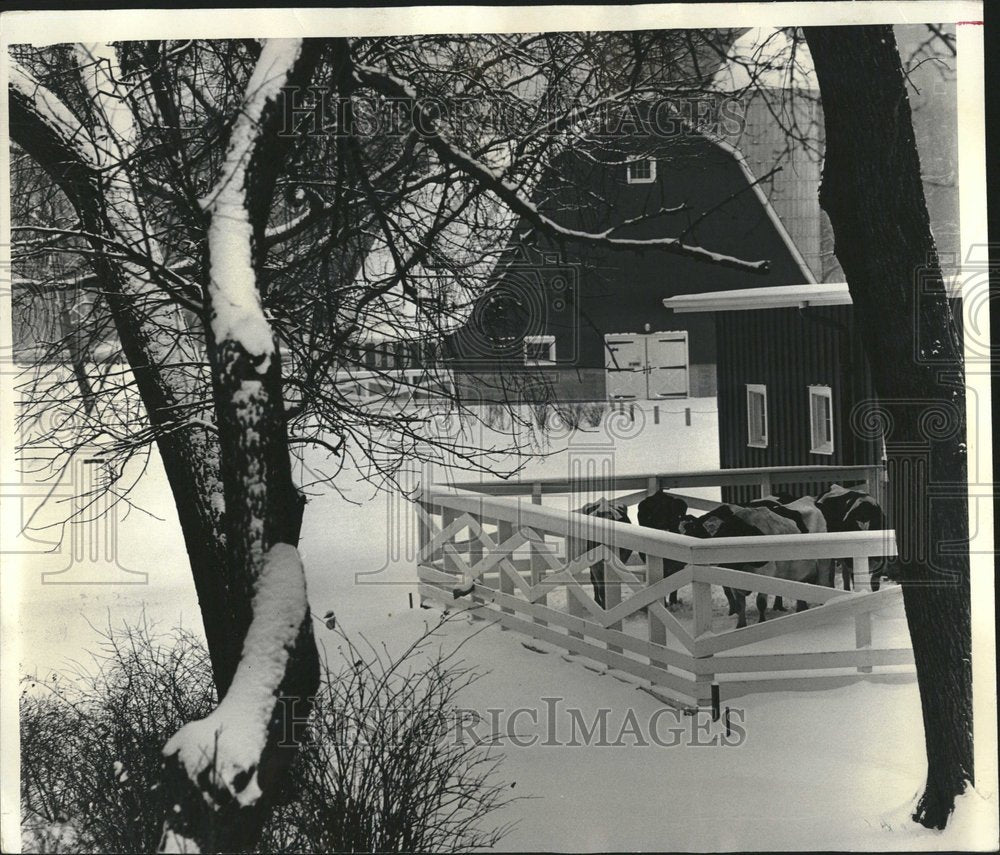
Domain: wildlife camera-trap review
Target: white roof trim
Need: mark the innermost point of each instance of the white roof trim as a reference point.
(768, 207)
(770, 297)
(774, 297)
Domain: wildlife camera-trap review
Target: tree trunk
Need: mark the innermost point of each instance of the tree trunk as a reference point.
(190, 460)
(224, 784)
(227, 790)
(873, 194)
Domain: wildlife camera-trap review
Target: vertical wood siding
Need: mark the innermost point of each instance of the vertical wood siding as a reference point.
(788, 350)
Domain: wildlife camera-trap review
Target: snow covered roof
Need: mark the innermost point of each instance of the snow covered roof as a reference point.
(775, 297)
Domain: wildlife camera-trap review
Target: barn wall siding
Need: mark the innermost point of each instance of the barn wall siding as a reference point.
(787, 350)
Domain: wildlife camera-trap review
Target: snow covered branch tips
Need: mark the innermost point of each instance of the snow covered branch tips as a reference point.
(220, 753)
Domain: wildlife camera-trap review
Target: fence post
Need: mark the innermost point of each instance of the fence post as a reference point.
(612, 594)
(701, 595)
(423, 529)
(657, 630)
(859, 567)
(424, 537)
(765, 485)
(475, 544)
(863, 636)
(448, 516)
(575, 547)
(871, 481)
(505, 531)
(538, 574)
(536, 544)
(702, 602)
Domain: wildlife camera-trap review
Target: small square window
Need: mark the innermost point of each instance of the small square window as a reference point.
(539, 350)
(821, 420)
(756, 415)
(642, 171)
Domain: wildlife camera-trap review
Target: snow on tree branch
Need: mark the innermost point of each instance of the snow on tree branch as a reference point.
(225, 747)
(48, 109)
(510, 195)
(237, 313)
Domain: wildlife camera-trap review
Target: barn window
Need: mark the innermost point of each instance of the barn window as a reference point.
(821, 420)
(539, 350)
(642, 172)
(756, 415)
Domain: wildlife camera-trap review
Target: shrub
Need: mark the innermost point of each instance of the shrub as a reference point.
(384, 771)
(593, 413)
(541, 410)
(378, 772)
(91, 740)
(496, 416)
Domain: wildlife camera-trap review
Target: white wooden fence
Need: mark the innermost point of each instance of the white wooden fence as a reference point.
(511, 559)
(395, 384)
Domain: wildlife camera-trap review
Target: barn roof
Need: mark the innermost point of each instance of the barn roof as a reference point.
(774, 297)
(770, 297)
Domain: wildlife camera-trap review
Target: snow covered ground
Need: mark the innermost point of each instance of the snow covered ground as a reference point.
(828, 770)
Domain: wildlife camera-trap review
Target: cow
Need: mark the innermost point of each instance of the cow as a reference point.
(806, 514)
(846, 509)
(663, 511)
(739, 521)
(604, 509)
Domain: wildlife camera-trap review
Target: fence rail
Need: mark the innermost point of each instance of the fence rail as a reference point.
(417, 384)
(761, 476)
(529, 567)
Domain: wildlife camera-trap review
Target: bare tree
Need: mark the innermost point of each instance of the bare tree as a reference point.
(246, 257)
(873, 194)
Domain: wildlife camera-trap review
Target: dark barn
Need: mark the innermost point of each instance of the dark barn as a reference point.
(578, 322)
(794, 387)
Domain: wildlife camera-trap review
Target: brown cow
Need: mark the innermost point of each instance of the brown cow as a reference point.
(738, 521)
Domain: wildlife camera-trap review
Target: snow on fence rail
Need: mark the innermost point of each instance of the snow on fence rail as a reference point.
(512, 559)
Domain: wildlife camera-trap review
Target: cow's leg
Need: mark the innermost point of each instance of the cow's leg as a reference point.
(847, 573)
(671, 567)
(597, 580)
(740, 598)
(731, 599)
(761, 608)
(779, 605)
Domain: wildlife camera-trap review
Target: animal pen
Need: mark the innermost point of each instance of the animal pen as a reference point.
(498, 550)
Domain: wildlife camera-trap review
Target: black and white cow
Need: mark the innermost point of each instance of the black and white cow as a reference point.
(664, 511)
(604, 509)
(739, 521)
(847, 509)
